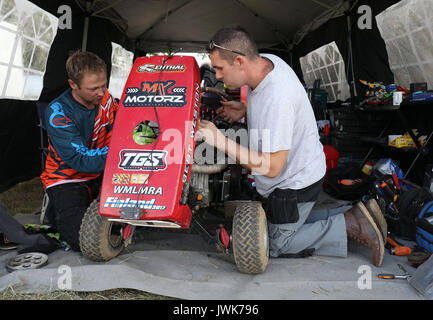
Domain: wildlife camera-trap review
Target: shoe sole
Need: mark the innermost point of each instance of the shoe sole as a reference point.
(366, 213)
(378, 217)
(6, 247)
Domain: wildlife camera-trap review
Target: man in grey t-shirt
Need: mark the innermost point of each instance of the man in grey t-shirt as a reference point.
(284, 153)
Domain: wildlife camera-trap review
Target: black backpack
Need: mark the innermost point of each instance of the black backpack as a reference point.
(409, 206)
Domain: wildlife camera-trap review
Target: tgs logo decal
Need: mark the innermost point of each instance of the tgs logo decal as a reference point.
(143, 160)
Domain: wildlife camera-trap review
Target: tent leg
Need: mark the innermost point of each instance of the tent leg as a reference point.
(349, 31)
(85, 32)
(86, 26)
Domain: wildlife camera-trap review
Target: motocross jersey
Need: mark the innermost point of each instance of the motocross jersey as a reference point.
(78, 139)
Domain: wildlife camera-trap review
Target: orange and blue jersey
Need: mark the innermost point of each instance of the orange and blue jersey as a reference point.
(78, 139)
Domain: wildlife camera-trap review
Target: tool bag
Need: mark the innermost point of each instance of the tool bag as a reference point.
(424, 230)
(347, 182)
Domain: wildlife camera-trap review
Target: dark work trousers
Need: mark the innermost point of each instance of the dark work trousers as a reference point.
(67, 204)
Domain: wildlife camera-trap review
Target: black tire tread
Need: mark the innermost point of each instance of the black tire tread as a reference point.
(249, 228)
(94, 233)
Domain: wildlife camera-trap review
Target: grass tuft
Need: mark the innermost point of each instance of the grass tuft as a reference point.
(113, 294)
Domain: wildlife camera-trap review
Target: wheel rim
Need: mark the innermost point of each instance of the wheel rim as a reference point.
(114, 235)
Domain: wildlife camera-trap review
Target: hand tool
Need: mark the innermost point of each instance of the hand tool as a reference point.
(389, 191)
(397, 249)
(388, 276)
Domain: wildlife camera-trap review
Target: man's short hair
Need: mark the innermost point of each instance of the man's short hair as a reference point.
(81, 62)
(235, 37)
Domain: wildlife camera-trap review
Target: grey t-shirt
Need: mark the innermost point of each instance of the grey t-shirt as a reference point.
(280, 117)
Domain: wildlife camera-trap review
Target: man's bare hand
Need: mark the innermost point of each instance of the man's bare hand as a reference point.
(231, 111)
(210, 133)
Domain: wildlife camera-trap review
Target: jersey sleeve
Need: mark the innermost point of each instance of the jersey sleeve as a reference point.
(66, 140)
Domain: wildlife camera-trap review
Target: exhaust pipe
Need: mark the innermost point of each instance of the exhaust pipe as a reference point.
(208, 168)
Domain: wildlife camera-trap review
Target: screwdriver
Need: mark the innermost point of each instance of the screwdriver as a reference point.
(392, 276)
(387, 190)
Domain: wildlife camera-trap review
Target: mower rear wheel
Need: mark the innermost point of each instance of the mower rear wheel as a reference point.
(250, 238)
(100, 239)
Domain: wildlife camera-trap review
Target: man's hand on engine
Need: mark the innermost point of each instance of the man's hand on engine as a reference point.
(210, 134)
(231, 111)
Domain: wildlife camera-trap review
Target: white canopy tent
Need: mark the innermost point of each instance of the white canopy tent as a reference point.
(156, 25)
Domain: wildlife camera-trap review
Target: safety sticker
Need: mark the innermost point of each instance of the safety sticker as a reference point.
(121, 178)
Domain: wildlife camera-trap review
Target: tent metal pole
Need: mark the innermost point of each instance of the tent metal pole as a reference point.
(107, 7)
(322, 4)
(280, 35)
(349, 31)
(336, 11)
(86, 26)
(143, 35)
(85, 33)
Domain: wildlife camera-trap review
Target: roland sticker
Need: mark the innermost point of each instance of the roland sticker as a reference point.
(155, 94)
(153, 68)
(116, 202)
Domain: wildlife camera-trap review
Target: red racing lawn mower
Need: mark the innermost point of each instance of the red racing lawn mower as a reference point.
(155, 176)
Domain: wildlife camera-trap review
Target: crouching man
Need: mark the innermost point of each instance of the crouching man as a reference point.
(78, 124)
(290, 165)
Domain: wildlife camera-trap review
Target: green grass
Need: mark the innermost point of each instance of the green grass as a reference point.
(26, 197)
(114, 294)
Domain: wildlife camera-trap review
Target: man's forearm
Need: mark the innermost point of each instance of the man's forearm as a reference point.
(256, 161)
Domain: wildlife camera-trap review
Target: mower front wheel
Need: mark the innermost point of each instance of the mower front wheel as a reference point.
(100, 239)
(250, 238)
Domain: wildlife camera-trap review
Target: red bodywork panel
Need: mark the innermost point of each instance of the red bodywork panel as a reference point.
(173, 90)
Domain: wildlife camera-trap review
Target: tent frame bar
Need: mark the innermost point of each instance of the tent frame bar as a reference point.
(89, 5)
(279, 34)
(334, 12)
(107, 7)
(322, 4)
(142, 36)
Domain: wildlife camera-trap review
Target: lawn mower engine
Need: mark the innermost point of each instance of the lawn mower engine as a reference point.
(157, 175)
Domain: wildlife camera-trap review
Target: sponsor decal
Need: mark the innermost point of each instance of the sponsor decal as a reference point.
(187, 164)
(152, 68)
(143, 160)
(189, 155)
(145, 132)
(157, 191)
(196, 110)
(121, 178)
(155, 94)
(139, 178)
(116, 202)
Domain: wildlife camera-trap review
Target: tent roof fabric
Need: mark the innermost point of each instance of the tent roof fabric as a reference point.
(164, 24)
(189, 24)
